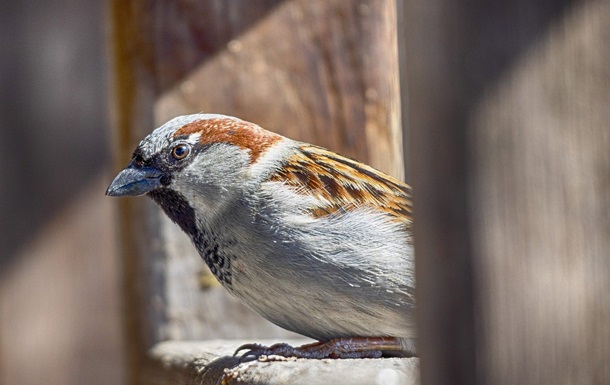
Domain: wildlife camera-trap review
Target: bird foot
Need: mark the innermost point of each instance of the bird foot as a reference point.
(357, 347)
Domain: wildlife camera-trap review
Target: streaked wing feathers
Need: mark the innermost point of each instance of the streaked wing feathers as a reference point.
(342, 184)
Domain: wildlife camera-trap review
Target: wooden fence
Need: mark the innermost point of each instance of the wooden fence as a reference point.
(505, 109)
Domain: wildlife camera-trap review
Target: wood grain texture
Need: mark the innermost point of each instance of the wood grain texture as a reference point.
(320, 71)
(324, 72)
(514, 99)
(331, 79)
(131, 89)
(210, 362)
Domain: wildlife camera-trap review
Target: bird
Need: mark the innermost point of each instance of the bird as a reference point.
(315, 242)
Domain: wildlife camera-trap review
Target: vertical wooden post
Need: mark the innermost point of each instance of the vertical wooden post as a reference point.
(132, 93)
(437, 144)
(508, 112)
(320, 71)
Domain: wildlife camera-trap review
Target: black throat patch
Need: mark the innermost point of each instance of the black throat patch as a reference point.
(177, 209)
(180, 212)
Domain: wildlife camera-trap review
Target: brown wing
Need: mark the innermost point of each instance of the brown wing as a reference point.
(344, 184)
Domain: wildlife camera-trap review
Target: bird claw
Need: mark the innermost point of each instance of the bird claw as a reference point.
(336, 348)
(249, 347)
(255, 351)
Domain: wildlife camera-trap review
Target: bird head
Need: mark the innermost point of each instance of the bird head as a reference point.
(194, 163)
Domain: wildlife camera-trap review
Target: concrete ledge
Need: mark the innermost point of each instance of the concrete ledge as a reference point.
(211, 362)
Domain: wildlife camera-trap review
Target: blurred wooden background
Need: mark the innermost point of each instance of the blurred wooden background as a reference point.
(325, 72)
(508, 142)
(59, 288)
(510, 149)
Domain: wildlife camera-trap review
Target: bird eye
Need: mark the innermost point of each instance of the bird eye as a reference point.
(181, 151)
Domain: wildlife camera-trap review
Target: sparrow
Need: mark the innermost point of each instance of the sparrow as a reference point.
(313, 241)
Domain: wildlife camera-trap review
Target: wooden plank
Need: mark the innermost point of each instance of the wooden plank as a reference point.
(131, 87)
(210, 362)
(331, 79)
(438, 147)
(509, 113)
(321, 71)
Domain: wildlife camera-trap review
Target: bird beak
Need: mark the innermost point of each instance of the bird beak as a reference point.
(133, 181)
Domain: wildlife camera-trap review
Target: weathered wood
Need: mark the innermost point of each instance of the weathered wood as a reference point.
(321, 71)
(324, 72)
(131, 103)
(509, 115)
(210, 362)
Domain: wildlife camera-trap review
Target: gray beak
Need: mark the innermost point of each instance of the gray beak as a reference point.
(134, 181)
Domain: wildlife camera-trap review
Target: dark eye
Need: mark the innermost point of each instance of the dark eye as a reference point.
(181, 151)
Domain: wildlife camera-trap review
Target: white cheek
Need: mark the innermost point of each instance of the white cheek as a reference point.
(214, 178)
